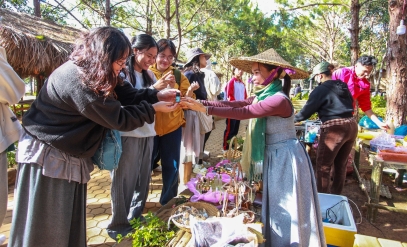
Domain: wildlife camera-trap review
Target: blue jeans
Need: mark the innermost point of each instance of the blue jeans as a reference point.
(168, 147)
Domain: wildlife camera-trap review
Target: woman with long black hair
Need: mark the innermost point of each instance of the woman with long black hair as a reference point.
(64, 127)
(129, 189)
(197, 60)
(290, 208)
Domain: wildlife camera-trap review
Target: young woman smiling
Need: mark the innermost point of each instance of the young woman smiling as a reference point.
(290, 206)
(129, 189)
(62, 130)
(167, 143)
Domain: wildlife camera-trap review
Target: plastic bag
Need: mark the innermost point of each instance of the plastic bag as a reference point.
(220, 231)
(401, 130)
(210, 196)
(382, 142)
(367, 123)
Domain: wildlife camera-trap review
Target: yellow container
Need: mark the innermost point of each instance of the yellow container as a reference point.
(339, 225)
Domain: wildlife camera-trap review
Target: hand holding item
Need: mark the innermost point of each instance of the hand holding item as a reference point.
(164, 106)
(167, 95)
(189, 103)
(166, 81)
(194, 86)
(383, 126)
(169, 78)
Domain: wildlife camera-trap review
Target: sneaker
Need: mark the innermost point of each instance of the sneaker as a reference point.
(2, 239)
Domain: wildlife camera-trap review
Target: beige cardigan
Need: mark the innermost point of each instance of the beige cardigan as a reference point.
(12, 88)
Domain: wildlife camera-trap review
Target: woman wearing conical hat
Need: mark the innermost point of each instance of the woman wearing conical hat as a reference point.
(290, 206)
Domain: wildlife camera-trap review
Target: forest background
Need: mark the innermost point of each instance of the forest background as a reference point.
(304, 32)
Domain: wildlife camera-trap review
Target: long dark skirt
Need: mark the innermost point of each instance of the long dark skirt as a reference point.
(48, 212)
(290, 211)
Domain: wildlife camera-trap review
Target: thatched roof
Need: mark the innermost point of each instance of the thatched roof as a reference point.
(33, 45)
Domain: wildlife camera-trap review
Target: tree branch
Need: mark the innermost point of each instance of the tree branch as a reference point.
(101, 14)
(158, 11)
(317, 4)
(70, 13)
(196, 12)
(119, 3)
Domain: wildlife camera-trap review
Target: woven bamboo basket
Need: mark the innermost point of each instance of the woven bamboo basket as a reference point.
(210, 209)
(233, 154)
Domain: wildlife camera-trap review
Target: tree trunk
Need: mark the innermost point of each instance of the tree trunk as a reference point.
(354, 31)
(40, 83)
(149, 21)
(167, 19)
(397, 56)
(178, 26)
(108, 13)
(37, 8)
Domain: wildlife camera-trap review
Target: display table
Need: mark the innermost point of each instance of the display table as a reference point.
(360, 144)
(376, 181)
(363, 144)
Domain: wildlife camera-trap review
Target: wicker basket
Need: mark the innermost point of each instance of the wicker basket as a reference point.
(210, 209)
(233, 154)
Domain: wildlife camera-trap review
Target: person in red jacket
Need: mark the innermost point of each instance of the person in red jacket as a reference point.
(235, 90)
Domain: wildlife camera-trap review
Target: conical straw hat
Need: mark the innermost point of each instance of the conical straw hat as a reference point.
(267, 57)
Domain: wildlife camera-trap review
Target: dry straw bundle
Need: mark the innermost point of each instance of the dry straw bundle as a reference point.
(34, 45)
(233, 154)
(210, 210)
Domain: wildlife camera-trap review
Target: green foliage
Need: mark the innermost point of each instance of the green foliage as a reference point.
(11, 157)
(48, 11)
(313, 116)
(239, 140)
(56, 15)
(238, 29)
(378, 102)
(374, 31)
(152, 232)
(378, 107)
(19, 5)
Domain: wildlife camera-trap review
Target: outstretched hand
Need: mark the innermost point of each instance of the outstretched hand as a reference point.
(164, 106)
(194, 86)
(383, 125)
(191, 104)
(167, 95)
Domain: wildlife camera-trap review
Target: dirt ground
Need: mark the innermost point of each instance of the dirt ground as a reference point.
(389, 225)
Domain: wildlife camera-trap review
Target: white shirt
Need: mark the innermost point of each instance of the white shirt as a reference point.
(239, 90)
(212, 84)
(146, 130)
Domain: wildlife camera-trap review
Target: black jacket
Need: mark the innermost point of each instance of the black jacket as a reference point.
(70, 117)
(332, 100)
(200, 93)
